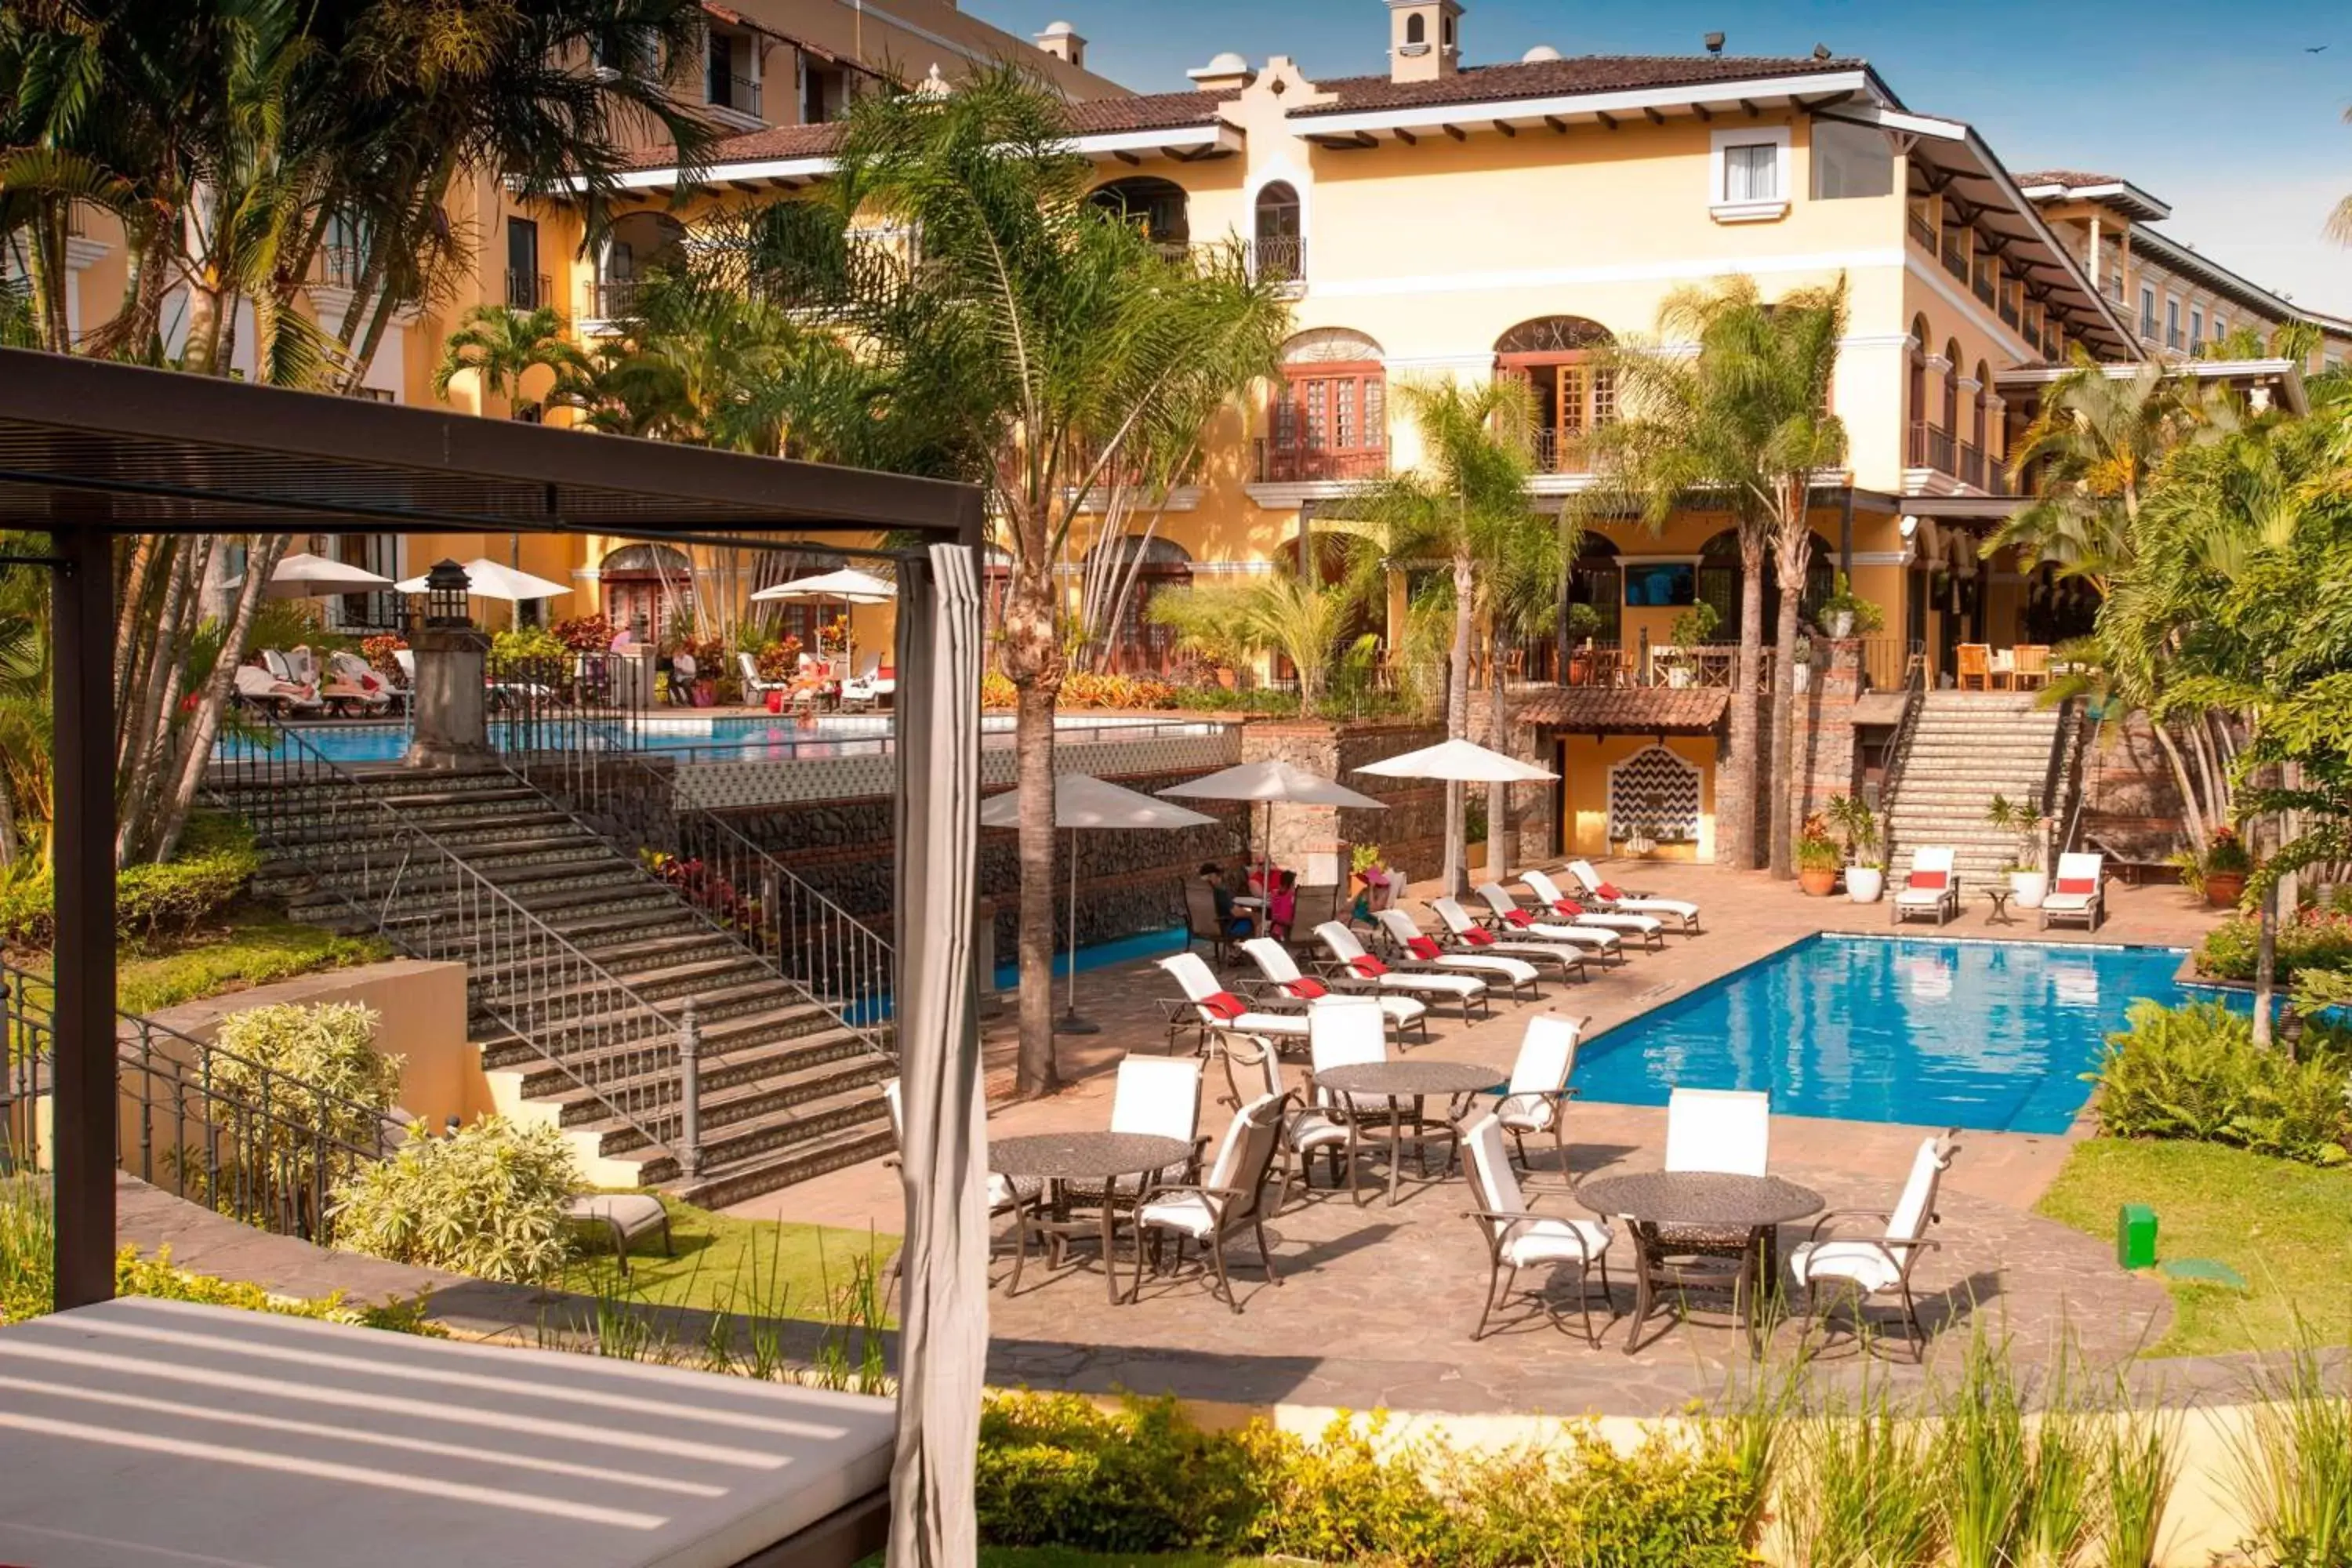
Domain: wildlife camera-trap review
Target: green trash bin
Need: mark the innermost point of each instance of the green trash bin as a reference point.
(2135, 1237)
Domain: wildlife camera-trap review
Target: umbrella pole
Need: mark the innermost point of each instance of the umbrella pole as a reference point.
(1070, 1023)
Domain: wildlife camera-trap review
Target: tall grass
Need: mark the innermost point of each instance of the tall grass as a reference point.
(2293, 1460)
(1859, 1486)
(2137, 1462)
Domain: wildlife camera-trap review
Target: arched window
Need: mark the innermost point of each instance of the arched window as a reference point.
(1573, 396)
(1979, 433)
(641, 244)
(1447, 26)
(1155, 205)
(646, 589)
(1328, 419)
(1416, 29)
(1137, 645)
(1917, 412)
(1280, 247)
(1952, 386)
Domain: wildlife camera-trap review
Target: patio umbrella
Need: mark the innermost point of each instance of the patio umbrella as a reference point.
(1459, 762)
(305, 576)
(847, 586)
(486, 578)
(1081, 802)
(1274, 782)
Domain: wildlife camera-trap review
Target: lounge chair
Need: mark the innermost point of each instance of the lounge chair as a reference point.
(260, 687)
(354, 686)
(1536, 1100)
(1609, 897)
(1495, 969)
(1933, 889)
(2078, 892)
(1232, 1200)
(868, 685)
(623, 1216)
(1210, 1008)
(1280, 972)
(755, 688)
(1507, 915)
(1471, 937)
(1548, 893)
(1310, 905)
(1517, 1237)
(1858, 1268)
(1348, 957)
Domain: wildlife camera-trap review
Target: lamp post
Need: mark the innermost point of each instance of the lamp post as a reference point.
(452, 718)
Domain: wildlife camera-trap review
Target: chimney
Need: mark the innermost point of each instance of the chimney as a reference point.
(1062, 41)
(1424, 44)
(1227, 73)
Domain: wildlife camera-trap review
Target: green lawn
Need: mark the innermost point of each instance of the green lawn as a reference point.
(252, 945)
(2286, 1228)
(763, 1267)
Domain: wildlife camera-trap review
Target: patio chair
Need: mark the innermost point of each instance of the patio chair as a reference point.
(1974, 672)
(1610, 896)
(1495, 969)
(1160, 1096)
(1517, 1237)
(1855, 1268)
(1507, 915)
(1342, 1034)
(1311, 905)
(1471, 937)
(258, 689)
(2031, 671)
(1726, 1129)
(1933, 889)
(1006, 1194)
(624, 1216)
(755, 687)
(1548, 893)
(1347, 955)
(1232, 1200)
(1536, 1100)
(2078, 892)
(1201, 921)
(1280, 972)
(1210, 1008)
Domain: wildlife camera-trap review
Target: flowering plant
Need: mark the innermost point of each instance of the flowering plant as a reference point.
(585, 634)
(379, 651)
(2226, 852)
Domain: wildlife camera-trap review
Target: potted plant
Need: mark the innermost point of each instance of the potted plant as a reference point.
(2028, 884)
(1865, 873)
(1582, 625)
(1846, 614)
(2227, 861)
(1820, 858)
(1692, 630)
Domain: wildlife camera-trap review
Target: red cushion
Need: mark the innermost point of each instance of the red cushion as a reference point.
(1609, 890)
(1423, 947)
(1520, 918)
(1307, 988)
(1477, 937)
(1368, 966)
(1928, 881)
(2078, 884)
(1225, 1004)
(1569, 908)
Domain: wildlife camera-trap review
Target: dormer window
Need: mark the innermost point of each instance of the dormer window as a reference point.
(732, 74)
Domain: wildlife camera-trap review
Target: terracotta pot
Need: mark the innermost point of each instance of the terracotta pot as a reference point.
(1579, 669)
(1818, 884)
(2224, 888)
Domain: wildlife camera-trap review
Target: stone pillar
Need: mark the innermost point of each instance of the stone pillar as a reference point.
(452, 719)
(633, 676)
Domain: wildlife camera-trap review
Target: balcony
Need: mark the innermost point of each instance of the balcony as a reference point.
(1280, 259)
(1562, 452)
(1933, 447)
(614, 299)
(529, 291)
(1996, 479)
(1983, 286)
(338, 266)
(1955, 253)
(1307, 465)
(1972, 465)
(2009, 312)
(1923, 230)
(738, 93)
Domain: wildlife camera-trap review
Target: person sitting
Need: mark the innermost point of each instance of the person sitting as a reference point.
(1236, 922)
(1282, 908)
(682, 672)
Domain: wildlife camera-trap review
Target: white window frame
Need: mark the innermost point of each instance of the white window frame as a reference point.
(2172, 320)
(2148, 323)
(1723, 211)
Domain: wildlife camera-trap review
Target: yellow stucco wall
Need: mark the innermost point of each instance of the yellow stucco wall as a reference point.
(1583, 764)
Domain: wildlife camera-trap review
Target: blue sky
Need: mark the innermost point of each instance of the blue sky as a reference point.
(2216, 109)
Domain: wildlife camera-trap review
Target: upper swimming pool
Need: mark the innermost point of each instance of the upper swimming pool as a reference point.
(690, 737)
(1993, 1036)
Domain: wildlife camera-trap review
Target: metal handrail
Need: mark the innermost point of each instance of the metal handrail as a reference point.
(520, 971)
(1898, 747)
(269, 1157)
(2063, 756)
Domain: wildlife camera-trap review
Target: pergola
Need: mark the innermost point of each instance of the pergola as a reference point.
(90, 451)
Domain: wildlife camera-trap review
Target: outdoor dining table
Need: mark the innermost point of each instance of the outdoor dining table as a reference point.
(1398, 1082)
(1655, 1204)
(1057, 1159)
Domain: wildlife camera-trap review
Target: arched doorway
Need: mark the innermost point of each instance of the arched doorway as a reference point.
(1328, 419)
(641, 243)
(647, 590)
(1573, 396)
(1137, 645)
(1157, 206)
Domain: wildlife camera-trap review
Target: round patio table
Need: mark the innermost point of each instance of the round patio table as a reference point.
(1654, 1202)
(1055, 1158)
(1397, 1082)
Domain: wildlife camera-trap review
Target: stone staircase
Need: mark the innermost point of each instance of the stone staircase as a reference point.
(1963, 749)
(787, 1091)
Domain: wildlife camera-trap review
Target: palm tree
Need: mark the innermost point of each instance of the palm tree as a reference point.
(1742, 424)
(1464, 504)
(499, 347)
(1281, 613)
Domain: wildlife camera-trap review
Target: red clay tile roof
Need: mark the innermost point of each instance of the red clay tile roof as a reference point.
(1626, 709)
(1550, 78)
(2070, 177)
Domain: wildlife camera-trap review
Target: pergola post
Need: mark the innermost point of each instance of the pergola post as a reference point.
(82, 1069)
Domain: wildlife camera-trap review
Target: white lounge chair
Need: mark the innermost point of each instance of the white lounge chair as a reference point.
(1547, 891)
(1281, 971)
(1858, 1268)
(1932, 889)
(353, 684)
(1211, 1009)
(260, 687)
(1475, 938)
(867, 688)
(755, 688)
(1493, 968)
(1507, 915)
(1517, 1237)
(1608, 896)
(2078, 892)
(1348, 955)
(1232, 1199)
(1536, 1100)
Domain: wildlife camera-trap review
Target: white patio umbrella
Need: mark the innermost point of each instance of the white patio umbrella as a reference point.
(1459, 762)
(306, 576)
(1081, 802)
(846, 586)
(1274, 782)
(486, 578)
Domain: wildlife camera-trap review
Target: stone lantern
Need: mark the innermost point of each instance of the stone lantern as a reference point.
(452, 727)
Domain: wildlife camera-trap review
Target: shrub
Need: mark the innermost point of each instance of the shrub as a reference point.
(585, 634)
(2315, 939)
(2195, 1072)
(331, 1045)
(521, 643)
(1084, 688)
(2227, 852)
(486, 1201)
(1053, 1470)
(779, 660)
(152, 904)
(380, 651)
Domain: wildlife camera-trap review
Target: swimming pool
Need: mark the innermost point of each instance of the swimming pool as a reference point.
(1993, 1036)
(689, 737)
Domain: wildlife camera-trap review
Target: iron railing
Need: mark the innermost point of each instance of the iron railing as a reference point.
(262, 1146)
(1280, 259)
(350, 843)
(1955, 253)
(574, 731)
(1922, 229)
(1972, 465)
(1644, 663)
(1898, 747)
(611, 299)
(739, 93)
(1558, 451)
(1278, 464)
(1932, 446)
(338, 266)
(529, 291)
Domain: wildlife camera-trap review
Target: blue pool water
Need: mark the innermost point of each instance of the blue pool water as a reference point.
(1985, 1034)
(1126, 950)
